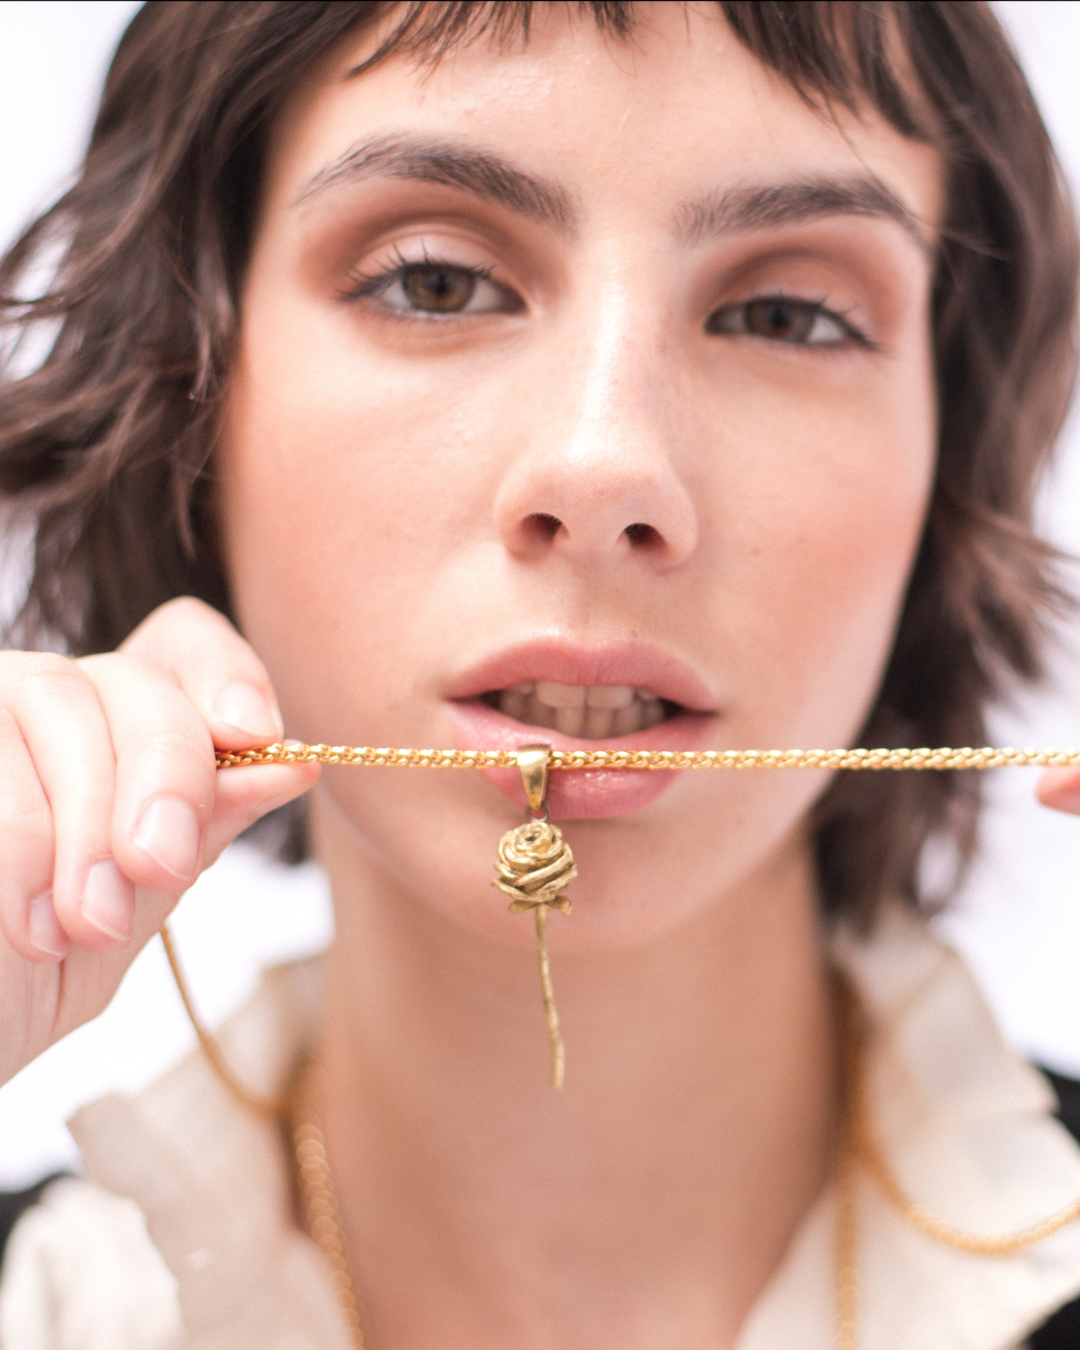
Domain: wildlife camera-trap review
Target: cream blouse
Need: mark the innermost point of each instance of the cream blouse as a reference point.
(182, 1237)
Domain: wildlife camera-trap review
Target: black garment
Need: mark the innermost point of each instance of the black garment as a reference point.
(14, 1203)
(1062, 1332)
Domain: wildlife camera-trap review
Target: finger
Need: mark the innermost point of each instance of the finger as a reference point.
(27, 917)
(169, 792)
(43, 1003)
(65, 732)
(229, 686)
(165, 772)
(215, 667)
(245, 795)
(1060, 789)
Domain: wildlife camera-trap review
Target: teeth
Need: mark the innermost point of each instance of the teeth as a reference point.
(627, 720)
(598, 723)
(592, 696)
(570, 721)
(560, 695)
(513, 703)
(609, 696)
(539, 714)
(596, 711)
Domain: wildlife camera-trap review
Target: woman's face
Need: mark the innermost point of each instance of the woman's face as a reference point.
(599, 368)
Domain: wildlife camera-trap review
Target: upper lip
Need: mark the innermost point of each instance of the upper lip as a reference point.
(567, 662)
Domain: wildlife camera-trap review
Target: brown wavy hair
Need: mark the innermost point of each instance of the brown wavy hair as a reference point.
(107, 442)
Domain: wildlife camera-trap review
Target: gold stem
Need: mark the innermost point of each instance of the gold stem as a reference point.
(558, 1050)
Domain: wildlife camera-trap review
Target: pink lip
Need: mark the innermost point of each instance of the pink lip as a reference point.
(588, 794)
(567, 663)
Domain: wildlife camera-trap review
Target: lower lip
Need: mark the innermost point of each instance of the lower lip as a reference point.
(582, 794)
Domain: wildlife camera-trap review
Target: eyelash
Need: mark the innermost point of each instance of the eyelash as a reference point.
(363, 285)
(813, 309)
(367, 285)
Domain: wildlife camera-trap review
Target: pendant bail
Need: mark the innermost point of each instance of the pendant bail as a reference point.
(533, 762)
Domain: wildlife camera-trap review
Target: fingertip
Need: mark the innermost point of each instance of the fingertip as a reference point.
(258, 789)
(108, 902)
(1059, 789)
(248, 793)
(242, 710)
(170, 835)
(300, 778)
(48, 939)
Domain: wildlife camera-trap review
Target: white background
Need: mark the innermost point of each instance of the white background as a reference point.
(1018, 920)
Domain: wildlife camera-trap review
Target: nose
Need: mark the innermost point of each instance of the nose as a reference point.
(596, 477)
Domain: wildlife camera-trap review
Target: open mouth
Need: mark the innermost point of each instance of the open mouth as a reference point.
(592, 712)
(571, 695)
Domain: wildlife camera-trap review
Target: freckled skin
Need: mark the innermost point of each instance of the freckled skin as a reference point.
(376, 477)
(381, 473)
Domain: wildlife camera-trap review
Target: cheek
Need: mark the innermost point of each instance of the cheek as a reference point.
(824, 522)
(386, 465)
(347, 497)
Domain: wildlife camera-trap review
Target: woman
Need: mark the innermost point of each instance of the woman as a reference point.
(672, 377)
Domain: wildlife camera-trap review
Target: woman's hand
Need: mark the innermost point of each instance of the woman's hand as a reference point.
(1060, 789)
(111, 806)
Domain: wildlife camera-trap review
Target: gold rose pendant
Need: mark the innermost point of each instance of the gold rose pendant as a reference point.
(535, 867)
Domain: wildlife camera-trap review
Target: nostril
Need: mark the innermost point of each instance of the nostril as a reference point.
(547, 527)
(640, 535)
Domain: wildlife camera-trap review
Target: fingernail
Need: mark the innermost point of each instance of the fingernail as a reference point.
(44, 927)
(245, 709)
(109, 900)
(169, 833)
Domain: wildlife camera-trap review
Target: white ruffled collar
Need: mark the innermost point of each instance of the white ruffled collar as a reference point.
(967, 1128)
(965, 1124)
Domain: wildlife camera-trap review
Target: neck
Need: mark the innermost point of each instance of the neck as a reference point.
(652, 1197)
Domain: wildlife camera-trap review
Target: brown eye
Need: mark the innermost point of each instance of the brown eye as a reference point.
(438, 290)
(800, 322)
(780, 319)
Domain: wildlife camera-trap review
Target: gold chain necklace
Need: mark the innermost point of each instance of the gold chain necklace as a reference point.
(319, 1201)
(323, 1217)
(536, 864)
(858, 1147)
(366, 756)
(534, 867)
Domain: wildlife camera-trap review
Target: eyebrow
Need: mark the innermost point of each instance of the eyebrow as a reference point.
(490, 177)
(747, 208)
(449, 164)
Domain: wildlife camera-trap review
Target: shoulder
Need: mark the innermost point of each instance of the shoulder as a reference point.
(81, 1273)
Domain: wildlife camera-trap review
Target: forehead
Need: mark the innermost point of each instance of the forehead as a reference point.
(676, 111)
